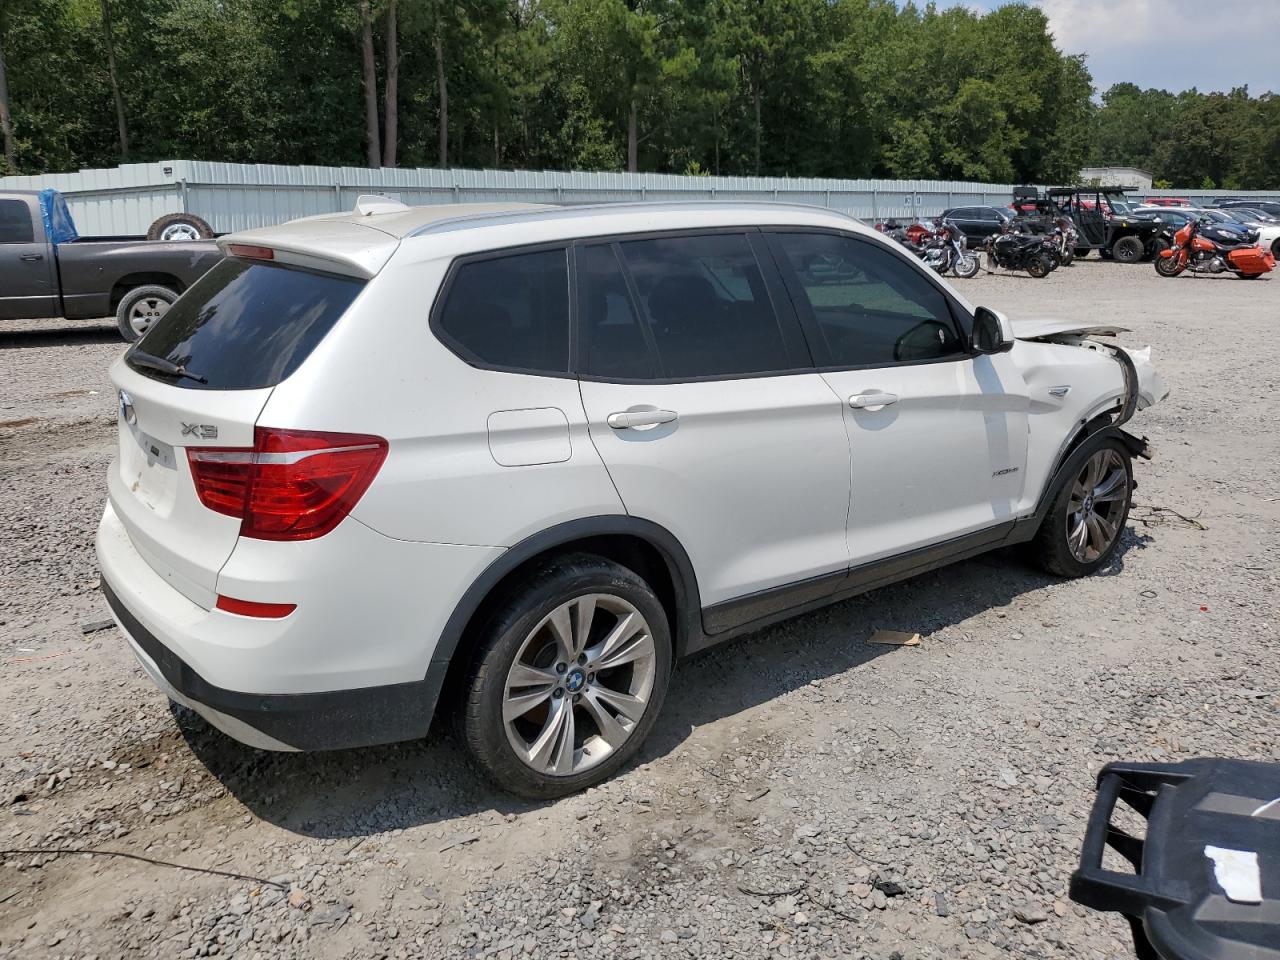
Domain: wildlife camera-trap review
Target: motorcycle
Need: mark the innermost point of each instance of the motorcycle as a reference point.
(1018, 251)
(948, 250)
(1064, 240)
(1199, 248)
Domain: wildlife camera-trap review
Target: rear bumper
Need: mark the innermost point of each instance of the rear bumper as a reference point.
(332, 720)
(325, 721)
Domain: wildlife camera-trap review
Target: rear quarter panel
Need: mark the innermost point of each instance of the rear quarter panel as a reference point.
(91, 270)
(382, 371)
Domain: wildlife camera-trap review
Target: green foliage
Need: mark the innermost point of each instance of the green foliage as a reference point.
(1191, 139)
(846, 88)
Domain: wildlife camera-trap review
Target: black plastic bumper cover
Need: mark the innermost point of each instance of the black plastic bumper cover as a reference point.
(332, 720)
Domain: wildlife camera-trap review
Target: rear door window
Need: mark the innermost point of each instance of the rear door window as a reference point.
(701, 305)
(245, 325)
(509, 312)
(15, 222)
(869, 306)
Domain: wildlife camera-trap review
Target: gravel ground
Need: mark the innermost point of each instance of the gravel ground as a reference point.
(806, 794)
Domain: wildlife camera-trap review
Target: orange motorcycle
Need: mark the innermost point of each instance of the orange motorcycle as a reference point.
(1203, 248)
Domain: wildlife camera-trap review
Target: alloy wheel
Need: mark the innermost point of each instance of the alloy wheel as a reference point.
(144, 314)
(180, 231)
(1096, 506)
(579, 685)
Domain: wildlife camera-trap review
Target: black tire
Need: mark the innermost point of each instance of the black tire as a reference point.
(1275, 248)
(1050, 548)
(970, 268)
(1248, 276)
(141, 307)
(1068, 257)
(1039, 267)
(1081, 252)
(180, 226)
(1158, 246)
(1168, 266)
(1127, 250)
(479, 720)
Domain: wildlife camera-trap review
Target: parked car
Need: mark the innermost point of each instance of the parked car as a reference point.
(1266, 206)
(1167, 202)
(508, 464)
(977, 223)
(48, 270)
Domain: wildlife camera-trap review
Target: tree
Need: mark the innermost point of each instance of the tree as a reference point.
(370, 75)
(390, 110)
(109, 41)
(6, 123)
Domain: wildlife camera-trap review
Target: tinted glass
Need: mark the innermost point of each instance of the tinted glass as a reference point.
(247, 324)
(706, 305)
(613, 342)
(15, 222)
(510, 312)
(871, 307)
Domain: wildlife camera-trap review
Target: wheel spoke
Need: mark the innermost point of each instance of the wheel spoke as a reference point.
(1108, 528)
(584, 614)
(561, 625)
(1111, 488)
(514, 707)
(524, 675)
(1097, 539)
(1077, 538)
(627, 641)
(613, 732)
(630, 707)
(547, 750)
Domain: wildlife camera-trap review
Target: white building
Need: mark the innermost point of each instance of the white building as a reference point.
(1116, 177)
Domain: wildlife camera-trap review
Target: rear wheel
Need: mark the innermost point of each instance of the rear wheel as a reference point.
(1082, 252)
(141, 308)
(1127, 250)
(1039, 267)
(568, 679)
(1083, 526)
(1248, 276)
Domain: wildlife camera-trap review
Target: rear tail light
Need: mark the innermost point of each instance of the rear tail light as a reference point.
(250, 252)
(292, 485)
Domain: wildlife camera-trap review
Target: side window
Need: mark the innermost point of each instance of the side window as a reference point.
(705, 306)
(613, 342)
(510, 311)
(988, 213)
(870, 306)
(15, 222)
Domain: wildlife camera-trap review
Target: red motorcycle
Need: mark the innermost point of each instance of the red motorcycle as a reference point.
(1201, 249)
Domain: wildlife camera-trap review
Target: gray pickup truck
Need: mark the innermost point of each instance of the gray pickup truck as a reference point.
(48, 270)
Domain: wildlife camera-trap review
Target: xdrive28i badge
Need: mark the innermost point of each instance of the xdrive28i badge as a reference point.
(127, 413)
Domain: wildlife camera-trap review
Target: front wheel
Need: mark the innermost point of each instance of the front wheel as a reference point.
(967, 266)
(1081, 252)
(568, 678)
(141, 308)
(1039, 267)
(1083, 526)
(1169, 266)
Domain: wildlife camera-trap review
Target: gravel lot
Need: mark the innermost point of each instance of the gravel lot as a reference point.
(806, 794)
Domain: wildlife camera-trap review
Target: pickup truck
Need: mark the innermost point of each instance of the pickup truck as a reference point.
(48, 270)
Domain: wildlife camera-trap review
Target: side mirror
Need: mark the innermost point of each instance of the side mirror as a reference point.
(992, 332)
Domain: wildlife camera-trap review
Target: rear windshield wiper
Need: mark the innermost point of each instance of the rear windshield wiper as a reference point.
(152, 362)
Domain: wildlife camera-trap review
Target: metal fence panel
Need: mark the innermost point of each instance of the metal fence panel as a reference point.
(236, 196)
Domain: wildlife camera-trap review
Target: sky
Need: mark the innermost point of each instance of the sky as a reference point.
(1173, 44)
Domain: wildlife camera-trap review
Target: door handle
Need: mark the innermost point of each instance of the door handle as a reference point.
(31, 257)
(640, 418)
(873, 400)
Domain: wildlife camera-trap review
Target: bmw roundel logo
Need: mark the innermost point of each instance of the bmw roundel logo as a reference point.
(127, 413)
(575, 681)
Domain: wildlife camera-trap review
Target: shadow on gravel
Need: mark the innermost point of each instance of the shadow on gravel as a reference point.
(355, 793)
(60, 337)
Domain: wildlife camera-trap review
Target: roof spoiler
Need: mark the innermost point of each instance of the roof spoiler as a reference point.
(367, 204)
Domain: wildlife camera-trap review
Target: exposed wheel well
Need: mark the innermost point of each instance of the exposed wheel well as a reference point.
(134, 280)
(628, 550)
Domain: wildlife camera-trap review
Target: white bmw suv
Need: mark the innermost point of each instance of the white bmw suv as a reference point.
(512, 463)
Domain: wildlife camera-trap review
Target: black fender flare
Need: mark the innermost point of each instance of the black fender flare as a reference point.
(688, 623)
(1073, 462)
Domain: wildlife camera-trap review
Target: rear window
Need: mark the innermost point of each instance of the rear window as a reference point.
(15, 222)
(246, 325)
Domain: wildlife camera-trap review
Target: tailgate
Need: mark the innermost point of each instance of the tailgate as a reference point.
(150, 483)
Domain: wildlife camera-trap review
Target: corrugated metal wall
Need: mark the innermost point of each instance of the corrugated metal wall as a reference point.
(233, 196)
